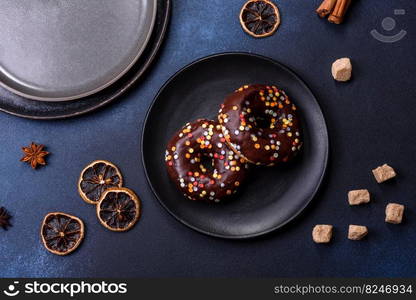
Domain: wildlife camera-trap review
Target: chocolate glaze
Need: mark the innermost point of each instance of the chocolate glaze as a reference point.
(200, 163)
(260, 124)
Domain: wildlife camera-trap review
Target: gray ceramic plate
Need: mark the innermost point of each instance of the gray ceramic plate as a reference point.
(64, 50)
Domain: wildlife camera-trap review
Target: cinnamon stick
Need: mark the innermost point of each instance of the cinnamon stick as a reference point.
(326, 8)
(337, 15)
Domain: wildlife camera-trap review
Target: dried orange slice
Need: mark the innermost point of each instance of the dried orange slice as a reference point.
(118, 209)
(61, 233)
(259, 18)
(96, 178)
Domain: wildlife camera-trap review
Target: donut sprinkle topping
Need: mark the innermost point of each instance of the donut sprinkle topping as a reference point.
(201, 164)
(260, 124)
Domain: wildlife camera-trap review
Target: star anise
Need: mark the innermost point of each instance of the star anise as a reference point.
(4, 218)
(34, 155)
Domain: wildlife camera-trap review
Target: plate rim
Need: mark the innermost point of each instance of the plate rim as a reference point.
(100, 87)
(263, 232)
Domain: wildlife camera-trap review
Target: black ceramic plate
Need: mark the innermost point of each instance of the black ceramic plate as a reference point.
(272, 196)
(19, 106)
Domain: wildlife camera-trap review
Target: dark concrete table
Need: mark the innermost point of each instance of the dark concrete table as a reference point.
(371, 121)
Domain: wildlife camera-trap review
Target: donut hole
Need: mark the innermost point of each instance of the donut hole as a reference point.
(259, 119)
(261, 122)
(207, 162)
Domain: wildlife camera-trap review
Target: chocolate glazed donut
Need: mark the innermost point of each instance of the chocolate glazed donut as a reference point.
(261, 125)
(200, 163)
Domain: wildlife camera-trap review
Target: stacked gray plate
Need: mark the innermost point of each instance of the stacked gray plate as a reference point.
(65, 50)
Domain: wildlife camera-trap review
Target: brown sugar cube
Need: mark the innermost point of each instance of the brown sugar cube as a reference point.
(322, 233)
(342, 69)
(383, 173)
(394, 213)
(357, 232)
(357, 197)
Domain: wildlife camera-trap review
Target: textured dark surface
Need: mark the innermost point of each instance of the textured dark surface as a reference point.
(371, 120)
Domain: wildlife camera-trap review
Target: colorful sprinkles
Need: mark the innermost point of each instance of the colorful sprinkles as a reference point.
(201, 164)
(257, 124)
